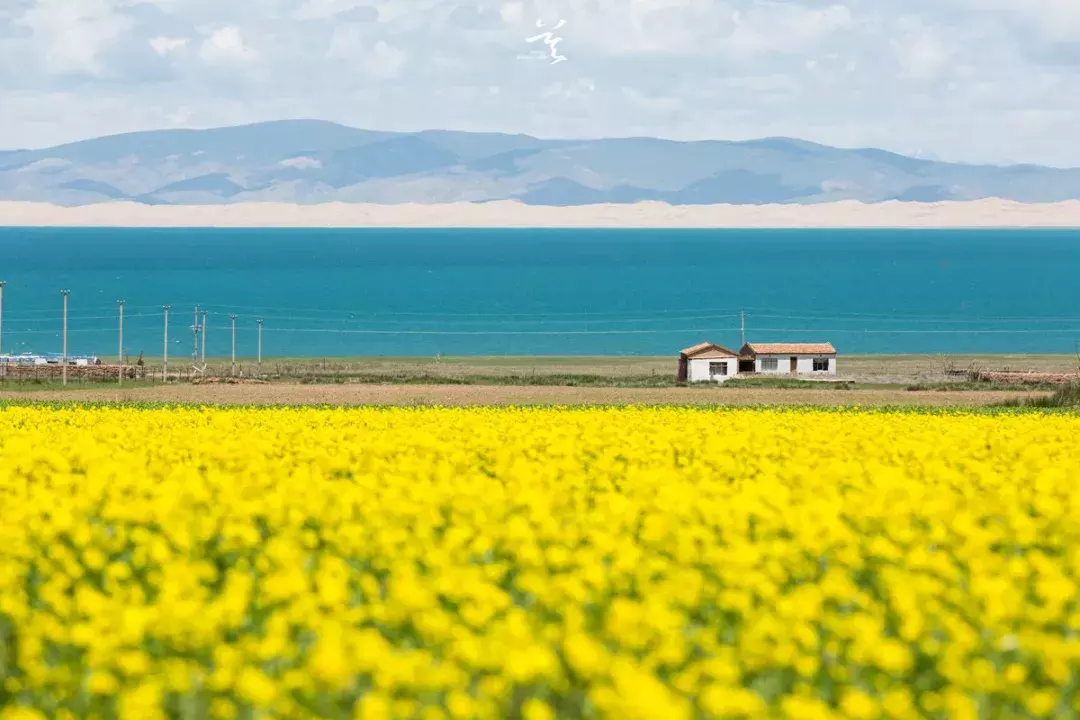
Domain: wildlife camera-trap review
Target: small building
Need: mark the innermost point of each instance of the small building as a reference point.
(707, 362)
(50, 359)
(788, 358)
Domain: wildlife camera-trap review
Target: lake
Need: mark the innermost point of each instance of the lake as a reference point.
(419, 292)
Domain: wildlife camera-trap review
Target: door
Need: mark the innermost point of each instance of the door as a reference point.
(794, 365)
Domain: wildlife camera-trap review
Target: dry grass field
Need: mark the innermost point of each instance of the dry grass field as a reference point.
(877, 380)
(625, 371)
(430, 394)
(863, 368)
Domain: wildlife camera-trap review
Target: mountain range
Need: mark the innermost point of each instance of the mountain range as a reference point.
(312, 161)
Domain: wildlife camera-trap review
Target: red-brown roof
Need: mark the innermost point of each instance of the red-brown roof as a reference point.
(789, 349)
(704, 347)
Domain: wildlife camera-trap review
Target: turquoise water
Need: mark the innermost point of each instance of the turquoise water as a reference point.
(324, 293)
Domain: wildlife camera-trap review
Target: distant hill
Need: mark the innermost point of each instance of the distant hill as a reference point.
(311, 161)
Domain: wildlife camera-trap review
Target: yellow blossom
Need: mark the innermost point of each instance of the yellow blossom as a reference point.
(632, 563)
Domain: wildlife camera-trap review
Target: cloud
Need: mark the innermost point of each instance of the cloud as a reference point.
(512, 12)
(920, 53)
(74, 36)
(226, 45)
(361, 14)
(473, 17)
(348, 10)
(972, 80)
(9, 29)
(165, 45)
(385, 61)
(1051, 20)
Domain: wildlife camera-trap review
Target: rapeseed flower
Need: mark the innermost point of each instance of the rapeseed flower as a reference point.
(581, 563)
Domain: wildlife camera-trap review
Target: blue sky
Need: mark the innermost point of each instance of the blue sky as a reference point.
(969, 80)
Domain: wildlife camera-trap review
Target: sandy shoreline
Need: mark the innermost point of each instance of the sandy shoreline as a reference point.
(990, 213)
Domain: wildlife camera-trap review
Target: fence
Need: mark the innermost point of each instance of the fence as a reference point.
(84, 373)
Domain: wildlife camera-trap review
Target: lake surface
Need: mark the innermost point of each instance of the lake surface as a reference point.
(324, 293)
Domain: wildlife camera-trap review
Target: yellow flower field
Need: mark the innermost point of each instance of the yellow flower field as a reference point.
(537, 563)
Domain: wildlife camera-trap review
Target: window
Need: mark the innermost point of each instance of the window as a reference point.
(770, 364)
(717, 368)
(821, 364)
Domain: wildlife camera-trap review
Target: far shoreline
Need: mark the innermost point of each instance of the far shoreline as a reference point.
(984, 214)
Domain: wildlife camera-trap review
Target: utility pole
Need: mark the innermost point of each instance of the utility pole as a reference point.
(3, 365)
(204, 341)
(260, 348)
(63, 359)
(195, 334)
(165, 355)
(232, 370)
(742, 323)
(120, 357)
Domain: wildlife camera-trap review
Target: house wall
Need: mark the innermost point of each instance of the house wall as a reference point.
(699, 369)
(804, 366)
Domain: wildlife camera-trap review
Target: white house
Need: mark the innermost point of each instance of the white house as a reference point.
(707, 362)
(788, 358)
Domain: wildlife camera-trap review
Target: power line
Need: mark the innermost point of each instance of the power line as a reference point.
(52, 311)
(498, 332)
(676, 331)
(785, 313)
(948, 331)
(594, 321)
(668, 320)
(658, 315)
(752, 311)
(432, 314)
(664, 331)
(84, 317)
(919, 319)
(70, 330)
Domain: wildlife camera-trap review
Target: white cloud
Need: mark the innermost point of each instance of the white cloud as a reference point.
(1054, 20)
(351, 45)
(987, 79)
(346, 42)
(72, 37)
(321, 9)
(385, 61)
(226, 45)
(179, 117)
(769, 28)
(512, 12)
(652, 102)
(920, 53)
(577, 90)
(166, 45)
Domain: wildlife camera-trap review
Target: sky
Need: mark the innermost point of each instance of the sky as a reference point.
(981, 81)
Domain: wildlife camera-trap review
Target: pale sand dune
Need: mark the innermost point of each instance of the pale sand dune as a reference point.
(975, 214)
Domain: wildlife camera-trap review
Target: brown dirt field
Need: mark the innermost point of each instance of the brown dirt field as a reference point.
(289, 394)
